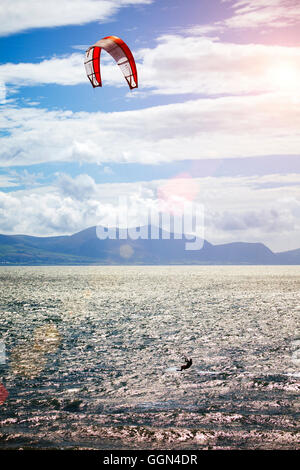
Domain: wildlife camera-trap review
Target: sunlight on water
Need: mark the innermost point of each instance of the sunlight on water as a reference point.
(92, 356)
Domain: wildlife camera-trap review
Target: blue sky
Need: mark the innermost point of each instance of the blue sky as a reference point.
(217, 110)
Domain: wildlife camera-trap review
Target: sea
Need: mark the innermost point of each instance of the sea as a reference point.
(89, 357)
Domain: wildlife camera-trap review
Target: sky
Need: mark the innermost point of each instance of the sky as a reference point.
(215, 120)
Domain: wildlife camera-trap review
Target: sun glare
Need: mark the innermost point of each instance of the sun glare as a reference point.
(284, 77)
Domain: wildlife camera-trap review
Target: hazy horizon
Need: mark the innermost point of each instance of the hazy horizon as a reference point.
(134, 227)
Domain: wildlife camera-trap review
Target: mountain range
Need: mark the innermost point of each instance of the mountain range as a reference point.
(85, 248)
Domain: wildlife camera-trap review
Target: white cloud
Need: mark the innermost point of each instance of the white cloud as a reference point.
(261, 15)
(66, 70)
(21, 15)
(233, 126)
(59, 70)
(7, 181)
(178, 65)
(25, 178)
(264, 209)
(81, 187)
(267, 13)
(234, 209)
(2, 92)
(205, 128)
(107, 170)
(206, 66)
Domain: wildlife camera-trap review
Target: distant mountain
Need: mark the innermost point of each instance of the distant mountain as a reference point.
(289, 257)
(85, 248)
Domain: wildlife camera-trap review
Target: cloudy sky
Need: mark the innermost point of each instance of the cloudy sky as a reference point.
(215, 119)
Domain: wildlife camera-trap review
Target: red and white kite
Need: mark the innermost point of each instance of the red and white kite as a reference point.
(119, 51)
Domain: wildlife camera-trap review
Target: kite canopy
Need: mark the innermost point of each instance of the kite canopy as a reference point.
(119, 51)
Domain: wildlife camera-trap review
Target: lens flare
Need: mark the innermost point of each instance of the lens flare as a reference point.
(27, 361)
(176, 192)
(284, 77)
(126, 251)
(47, 339)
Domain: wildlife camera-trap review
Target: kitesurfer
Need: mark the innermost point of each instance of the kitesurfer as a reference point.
(188, 363)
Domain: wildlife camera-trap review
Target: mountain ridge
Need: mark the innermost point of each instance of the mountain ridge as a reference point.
(85, 248)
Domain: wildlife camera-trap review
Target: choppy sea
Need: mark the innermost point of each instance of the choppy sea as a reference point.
(88, 357)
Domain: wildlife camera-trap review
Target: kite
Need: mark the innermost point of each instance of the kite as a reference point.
(119, 51)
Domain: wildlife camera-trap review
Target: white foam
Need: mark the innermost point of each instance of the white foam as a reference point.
(172, 369)
(294, 374)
